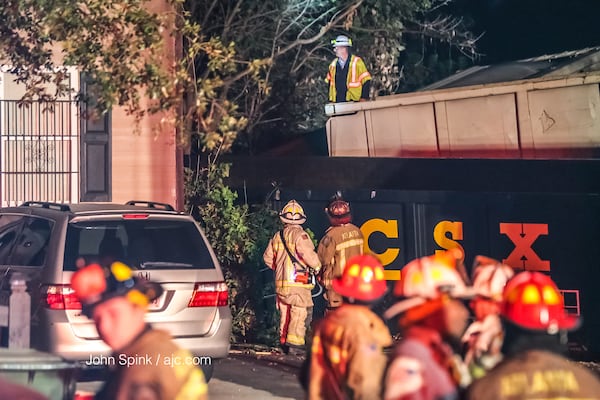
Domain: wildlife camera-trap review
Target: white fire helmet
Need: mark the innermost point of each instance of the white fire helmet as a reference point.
(292, 213)
(428, 278)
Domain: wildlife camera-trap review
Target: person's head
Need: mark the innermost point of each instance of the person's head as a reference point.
(533, 314)
(489, 277)
(430, 293)
(110, 250)
(338, 211)
(115, 300)
(362, 281)
(341, 46)
(292, 213)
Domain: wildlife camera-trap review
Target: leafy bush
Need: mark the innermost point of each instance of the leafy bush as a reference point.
(238, 238)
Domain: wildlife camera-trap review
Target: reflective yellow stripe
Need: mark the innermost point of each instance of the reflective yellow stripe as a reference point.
(349, 243)
(354, 62)
(364, 75)
(292, 284)
(340, 248)
(295, 340)
(195, 385)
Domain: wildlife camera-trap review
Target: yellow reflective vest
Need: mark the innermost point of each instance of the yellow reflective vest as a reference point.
(358, 75)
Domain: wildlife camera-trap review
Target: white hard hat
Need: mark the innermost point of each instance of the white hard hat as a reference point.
(342, 41)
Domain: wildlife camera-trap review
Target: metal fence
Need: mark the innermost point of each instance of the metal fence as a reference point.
(571, 300)
(39, 151)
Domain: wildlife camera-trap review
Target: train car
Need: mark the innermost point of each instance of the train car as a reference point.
(540, 215)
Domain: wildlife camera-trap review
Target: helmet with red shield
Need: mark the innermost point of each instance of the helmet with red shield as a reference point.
(338, 211)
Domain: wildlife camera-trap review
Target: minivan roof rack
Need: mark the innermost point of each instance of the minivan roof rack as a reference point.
(150, 204)
(46, 204)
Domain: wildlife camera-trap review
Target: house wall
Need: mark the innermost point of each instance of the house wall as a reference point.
(145, 165)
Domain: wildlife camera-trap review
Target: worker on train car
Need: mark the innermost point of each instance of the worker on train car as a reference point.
(348, 76)
(534, 365)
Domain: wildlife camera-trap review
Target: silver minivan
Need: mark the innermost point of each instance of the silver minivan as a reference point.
(47, 241)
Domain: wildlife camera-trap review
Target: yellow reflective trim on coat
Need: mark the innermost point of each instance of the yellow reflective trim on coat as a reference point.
(195, 386)
(539, 383)
(281, 284)
(295, 340)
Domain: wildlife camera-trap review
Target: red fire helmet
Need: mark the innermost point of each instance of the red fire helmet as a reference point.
(362, 279)
(532, 300)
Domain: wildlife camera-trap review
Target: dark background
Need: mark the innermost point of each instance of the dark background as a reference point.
(516, 29)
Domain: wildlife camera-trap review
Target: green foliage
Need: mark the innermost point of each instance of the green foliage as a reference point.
(242, 67)
(118, 43)
(263, 222)
(213, 203)
(238, 238)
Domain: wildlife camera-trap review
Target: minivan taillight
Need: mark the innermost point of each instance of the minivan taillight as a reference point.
(61, 297)
(209, 294)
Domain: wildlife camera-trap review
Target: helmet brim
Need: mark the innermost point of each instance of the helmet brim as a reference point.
(152, 291)
(566, 322)
(342, 290)
(407, 303)
(292, 221)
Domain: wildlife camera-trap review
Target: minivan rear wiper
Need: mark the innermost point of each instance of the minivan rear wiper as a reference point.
(164, 264)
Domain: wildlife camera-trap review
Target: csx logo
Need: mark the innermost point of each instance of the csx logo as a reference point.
(447, 234)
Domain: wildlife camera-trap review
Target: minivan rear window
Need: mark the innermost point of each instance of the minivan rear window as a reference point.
(139, 243)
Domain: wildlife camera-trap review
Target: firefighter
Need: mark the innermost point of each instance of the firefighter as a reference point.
(347, 359)
(483, 337)
(342, 241)
(291, 254)
(424, 364)
(142, 365)
(535, 340)
(348, 77)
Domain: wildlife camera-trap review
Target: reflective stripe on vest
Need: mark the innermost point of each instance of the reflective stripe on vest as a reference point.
(353, 81)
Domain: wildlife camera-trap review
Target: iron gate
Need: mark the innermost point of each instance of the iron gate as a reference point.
(39, 151)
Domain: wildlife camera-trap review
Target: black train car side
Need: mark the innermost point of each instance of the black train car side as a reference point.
(539, 215)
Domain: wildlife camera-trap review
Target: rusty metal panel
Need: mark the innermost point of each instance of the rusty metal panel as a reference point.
(347, 135)
(567, 117)
(404, 131)
(486, 125)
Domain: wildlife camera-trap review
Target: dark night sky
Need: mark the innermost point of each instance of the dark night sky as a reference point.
(516, 29)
